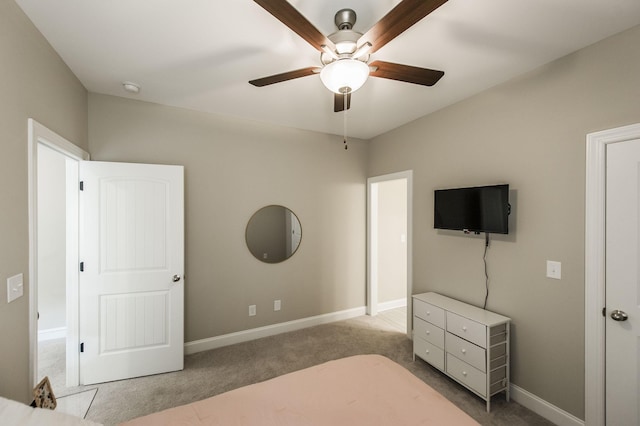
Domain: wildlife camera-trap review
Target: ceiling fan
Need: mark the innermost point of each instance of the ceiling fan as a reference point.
(345, 54)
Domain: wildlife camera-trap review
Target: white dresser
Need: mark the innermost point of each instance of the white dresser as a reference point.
(468, 344)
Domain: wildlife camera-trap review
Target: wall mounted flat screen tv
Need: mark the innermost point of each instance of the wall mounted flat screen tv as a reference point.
(476, 209)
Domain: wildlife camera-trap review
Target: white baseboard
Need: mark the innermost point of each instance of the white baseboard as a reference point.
(52, 333)
(385, 306)
(543, 408)
(269, 330)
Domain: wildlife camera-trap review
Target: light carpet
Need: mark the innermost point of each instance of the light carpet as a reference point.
(216, 371)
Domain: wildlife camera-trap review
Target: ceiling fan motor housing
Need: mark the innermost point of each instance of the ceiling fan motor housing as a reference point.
(345, 18)
(345, 39)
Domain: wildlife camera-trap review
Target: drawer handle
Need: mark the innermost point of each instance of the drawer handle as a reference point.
(428, 332)
(464, 328)
(464, 351)
(427, 351)
(464, 373)
(428, 313)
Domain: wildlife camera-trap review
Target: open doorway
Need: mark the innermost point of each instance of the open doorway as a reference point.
(52, 266)
(53, 257)
(117, 201)
(389, 248)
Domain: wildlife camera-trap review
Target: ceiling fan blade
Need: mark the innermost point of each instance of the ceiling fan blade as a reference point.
(406, 73)
(400, 18)
(338, 101)
(290, 75)
(283, 11)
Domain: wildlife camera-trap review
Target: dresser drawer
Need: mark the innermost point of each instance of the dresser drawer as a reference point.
(467, 352)
(428, 312)
(428, 332)
(467, 375)
(467, 329)
(430, 353)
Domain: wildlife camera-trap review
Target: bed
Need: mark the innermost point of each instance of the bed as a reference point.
(17, 413)
(363, 389)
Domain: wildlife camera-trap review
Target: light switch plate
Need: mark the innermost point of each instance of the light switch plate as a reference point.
(15, 287)
(554, 269)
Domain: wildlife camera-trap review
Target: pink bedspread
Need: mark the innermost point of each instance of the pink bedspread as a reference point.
(364, 389)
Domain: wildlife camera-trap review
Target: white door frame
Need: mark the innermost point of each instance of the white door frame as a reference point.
(39, 134)
(595, 284)
(372, 276)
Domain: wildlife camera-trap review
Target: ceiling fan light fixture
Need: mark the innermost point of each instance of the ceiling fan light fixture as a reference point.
(344, 75)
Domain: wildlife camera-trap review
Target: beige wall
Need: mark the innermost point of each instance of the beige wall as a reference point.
(34, 82)
(530, 133)
(233, 168)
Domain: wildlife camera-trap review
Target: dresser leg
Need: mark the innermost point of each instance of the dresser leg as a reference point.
(489, 405)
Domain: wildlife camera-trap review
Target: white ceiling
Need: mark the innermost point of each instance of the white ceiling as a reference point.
(200, 54)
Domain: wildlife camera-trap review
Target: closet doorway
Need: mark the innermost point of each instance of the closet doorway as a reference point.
(389, 254)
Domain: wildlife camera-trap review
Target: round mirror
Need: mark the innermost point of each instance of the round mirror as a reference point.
(273, 234)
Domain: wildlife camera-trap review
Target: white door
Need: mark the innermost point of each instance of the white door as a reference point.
(622, 320)
(131, 286)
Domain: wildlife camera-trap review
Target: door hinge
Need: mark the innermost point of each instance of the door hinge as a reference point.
(82, 347)
(604, 311)
(81, 266)
(81, 185)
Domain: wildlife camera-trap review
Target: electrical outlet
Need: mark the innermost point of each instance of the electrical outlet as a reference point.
(554, 269)
(15, 287)
(277, 305)
(252, 310)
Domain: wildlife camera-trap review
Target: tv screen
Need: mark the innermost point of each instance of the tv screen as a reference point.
(475, 209)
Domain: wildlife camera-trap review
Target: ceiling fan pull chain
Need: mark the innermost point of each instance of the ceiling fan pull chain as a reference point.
(345, 121)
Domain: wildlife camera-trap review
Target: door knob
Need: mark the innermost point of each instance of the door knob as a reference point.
(176, 278)
(619, 315)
